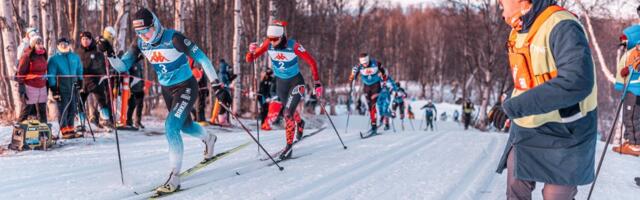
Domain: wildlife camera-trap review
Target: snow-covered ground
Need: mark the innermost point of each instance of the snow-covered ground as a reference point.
(449, 163)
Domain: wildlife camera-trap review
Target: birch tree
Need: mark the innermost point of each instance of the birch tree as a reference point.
(9, 42)
(237, 32)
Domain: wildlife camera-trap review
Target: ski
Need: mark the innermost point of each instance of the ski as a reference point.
(217, 157)
(286, 159)
(368, 134)
(276, 154)
(197, 168)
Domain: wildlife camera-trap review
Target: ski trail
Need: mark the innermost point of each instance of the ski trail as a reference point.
(478, 174)
(336, 181)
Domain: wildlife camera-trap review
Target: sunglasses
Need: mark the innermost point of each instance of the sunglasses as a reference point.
(143, 31)
(273, 39)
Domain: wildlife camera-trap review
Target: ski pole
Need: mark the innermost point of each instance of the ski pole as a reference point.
(258, 122)
(331, 121)
(615, 120)
(346, 128)
(249, 133)
(113, 117)
(83, 109)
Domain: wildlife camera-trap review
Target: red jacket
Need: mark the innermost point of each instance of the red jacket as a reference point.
(32, 68)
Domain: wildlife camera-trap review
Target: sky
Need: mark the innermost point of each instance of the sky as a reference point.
(621, 8)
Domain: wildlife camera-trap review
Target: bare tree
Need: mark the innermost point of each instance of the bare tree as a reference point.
(48, 35)
(9, 42)
(237, 35)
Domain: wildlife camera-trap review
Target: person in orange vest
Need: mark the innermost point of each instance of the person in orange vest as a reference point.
(552, 138)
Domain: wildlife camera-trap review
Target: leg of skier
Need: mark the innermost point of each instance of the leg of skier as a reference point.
(180, 99)
(291, 90)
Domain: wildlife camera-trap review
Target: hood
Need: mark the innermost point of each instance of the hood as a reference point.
(536, 8)
(159, 30)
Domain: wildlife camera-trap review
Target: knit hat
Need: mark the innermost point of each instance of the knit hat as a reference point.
(34, 40)
(144, 19)
(86, 34)
(276, 28)
(31, 31)
(109, 33)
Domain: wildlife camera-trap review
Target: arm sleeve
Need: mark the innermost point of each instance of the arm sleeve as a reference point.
(23, 68)
(304, 54)
(261, 50)
(129, 58)
(183, 44)
(51, 72)
(354, 73)
(79, 71)
(575, 80)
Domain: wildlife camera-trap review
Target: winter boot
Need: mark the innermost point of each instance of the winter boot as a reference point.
(286, 152)
(299, 130)
(81, 128)
(139, 125)
(171, 185)
(68, 132)
(209, 144)
(628, 149)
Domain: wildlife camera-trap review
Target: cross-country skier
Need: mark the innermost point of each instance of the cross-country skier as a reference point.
(384, 99)
(284, 53)
(430, 114)
(398, 101)
(167, 51)
(371, 74)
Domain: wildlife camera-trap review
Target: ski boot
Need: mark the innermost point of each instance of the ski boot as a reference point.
(386, 127)
(171, 185)
(209, 144)
(68, 133)
(139, 125)
(81, 128)
(286, 152)
(374, 129)
(299, 130)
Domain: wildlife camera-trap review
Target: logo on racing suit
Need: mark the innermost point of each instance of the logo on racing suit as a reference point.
(157, 57)
(280, 56)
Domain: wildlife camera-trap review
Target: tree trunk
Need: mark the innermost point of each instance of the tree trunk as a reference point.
(484, 103)
(122, 8)
(256, 66)
(34, 14)
(75, 16)
(48, 37)
(103, 15)
(178, 16)
(237, 92)
(8, 36)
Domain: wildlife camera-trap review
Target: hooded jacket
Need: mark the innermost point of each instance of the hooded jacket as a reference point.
(555, 152)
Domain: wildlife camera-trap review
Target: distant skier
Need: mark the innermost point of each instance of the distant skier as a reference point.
(430, 114)
(284, 54)
(371, 74)
(467, 109)
(398, 101)
(456, 115)
(384, 99)
(167, 51)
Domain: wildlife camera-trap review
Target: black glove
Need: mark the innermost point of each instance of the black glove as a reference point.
(105, 46)
(22, 90)
(217, 88)
(56, 94)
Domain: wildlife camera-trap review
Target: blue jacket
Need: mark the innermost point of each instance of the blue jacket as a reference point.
(64, 64)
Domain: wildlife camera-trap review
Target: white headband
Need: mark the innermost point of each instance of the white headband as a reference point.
(275, 31)
(364, 60)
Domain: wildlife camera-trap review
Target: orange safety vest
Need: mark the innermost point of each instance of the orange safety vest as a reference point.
(520, 58)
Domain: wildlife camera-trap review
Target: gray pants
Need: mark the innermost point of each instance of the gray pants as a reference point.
(521, 190)
(631, 119)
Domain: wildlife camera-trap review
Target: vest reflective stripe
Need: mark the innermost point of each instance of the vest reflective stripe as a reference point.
(284, 61)
(542, 62)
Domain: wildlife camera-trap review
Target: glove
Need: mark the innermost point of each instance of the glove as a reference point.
(22, 90)
(78, 86)
(105, 46)
(252, 47)
(217, 88)
(624, 72)
(55, 93)
(319, 89)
